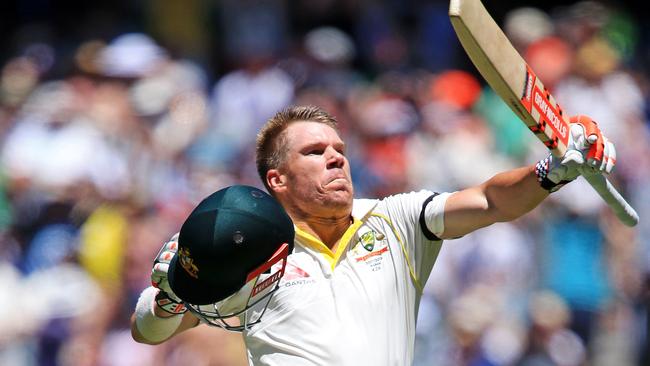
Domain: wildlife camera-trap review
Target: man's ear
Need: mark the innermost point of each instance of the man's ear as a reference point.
(277, 182)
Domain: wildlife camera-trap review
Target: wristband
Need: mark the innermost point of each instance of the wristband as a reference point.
(541, 171)
(150, 326)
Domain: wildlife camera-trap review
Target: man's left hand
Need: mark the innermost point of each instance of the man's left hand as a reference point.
(588, 152)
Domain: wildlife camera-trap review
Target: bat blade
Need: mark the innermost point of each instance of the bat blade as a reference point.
(512, 79)
(508, 74)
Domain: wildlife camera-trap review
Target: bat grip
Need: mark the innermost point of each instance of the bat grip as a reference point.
(616, 202)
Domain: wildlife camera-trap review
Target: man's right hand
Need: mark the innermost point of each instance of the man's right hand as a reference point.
(166, 299)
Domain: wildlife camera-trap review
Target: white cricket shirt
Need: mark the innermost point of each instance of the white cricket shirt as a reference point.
(357, 306)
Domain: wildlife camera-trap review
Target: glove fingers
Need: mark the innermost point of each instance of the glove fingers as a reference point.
(165, 257)
(586, 138)
(162, 284)
(159, 274)
(170, 246)
(590, 126)
(595, 153)
(603, 164)
(611, 158)
(157, 279)
(161, 268)
(593, 137)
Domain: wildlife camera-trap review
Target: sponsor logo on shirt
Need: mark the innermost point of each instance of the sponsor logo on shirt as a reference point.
(372, 254)
(292, 272)
(294, 275)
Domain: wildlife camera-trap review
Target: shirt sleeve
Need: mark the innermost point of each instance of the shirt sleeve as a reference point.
(419, 218)
(434, 214)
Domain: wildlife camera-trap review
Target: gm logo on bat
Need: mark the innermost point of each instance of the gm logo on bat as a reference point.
(551, 115)
(541, 104)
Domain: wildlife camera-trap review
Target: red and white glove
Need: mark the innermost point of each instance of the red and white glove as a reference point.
(166, 299)
(589, 152)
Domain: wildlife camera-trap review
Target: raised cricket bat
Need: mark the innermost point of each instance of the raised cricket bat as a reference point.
(510, 77)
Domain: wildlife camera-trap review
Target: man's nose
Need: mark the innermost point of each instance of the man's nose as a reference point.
(334, 158)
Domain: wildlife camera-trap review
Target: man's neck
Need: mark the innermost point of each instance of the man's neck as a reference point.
(328, 230)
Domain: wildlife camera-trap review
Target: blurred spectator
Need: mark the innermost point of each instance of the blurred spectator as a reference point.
(527, 25)
(447, 123)
(549, 340)
(573, 267)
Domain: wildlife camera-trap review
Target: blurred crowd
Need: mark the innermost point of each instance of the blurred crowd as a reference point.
(101, 163)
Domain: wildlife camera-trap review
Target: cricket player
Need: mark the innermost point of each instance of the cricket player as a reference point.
(352, 283)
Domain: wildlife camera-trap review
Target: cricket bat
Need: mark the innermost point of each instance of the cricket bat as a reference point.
(512, 79)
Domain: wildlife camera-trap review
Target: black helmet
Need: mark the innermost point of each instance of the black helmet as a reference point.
(233, 244)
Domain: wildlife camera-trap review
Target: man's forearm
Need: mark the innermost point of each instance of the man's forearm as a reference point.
(152, 325)
(146, 325)
(504, 197)
(513, 193)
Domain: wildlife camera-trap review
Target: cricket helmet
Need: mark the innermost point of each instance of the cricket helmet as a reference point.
(232, 251)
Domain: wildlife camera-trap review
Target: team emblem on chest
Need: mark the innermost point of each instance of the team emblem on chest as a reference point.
(369, 248)
(368, 240)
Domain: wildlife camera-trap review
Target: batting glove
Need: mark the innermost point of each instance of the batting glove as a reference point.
(166, 299)
(589, 152)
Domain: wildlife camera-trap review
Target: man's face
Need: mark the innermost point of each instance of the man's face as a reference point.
(316, 171)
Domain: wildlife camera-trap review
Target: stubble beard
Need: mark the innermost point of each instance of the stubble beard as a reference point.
(328, 206)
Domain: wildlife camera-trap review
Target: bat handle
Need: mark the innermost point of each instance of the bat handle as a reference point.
(616, 202)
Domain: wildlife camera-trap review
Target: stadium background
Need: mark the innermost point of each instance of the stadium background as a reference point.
(117, 117)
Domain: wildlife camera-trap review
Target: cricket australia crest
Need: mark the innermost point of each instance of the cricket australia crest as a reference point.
(368, 240)
(370, 249)
(187, 262)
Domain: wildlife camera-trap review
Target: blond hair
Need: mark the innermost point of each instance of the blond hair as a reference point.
(271, 145)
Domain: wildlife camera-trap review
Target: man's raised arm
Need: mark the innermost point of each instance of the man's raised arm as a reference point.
(509, 195)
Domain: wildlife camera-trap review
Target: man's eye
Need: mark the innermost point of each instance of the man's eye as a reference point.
(315, 152)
